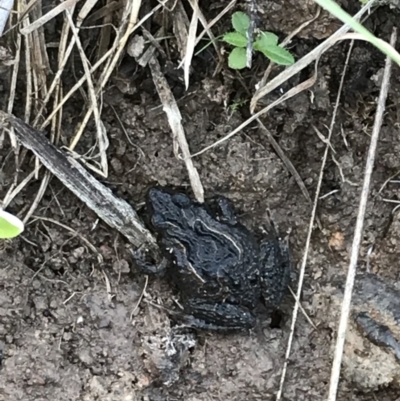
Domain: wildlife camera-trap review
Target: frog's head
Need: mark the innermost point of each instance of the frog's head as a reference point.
(165, 206)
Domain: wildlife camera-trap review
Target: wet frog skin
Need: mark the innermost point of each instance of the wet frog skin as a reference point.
(218, 266)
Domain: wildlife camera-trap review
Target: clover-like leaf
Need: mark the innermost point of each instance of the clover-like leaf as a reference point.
(235, 39)
(10, 225)
(278, 55)
(265, 40)
(237, 58)
(240, 22)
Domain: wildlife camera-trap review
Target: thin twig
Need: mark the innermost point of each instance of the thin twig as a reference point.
(289, 94)
(341, 336)
(174, 116)
(140, 299)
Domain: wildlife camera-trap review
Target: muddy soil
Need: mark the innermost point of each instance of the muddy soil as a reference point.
(74, 329)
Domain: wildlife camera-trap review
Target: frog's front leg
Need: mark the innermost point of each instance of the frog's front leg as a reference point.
(208, 315)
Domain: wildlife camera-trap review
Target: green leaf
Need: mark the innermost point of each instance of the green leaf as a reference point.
(278, 55)
(240, 22)
(237, 58)
(10, 225)
(235, 39)
(264, 41)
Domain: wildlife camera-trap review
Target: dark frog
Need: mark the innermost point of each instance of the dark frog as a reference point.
(218, 266)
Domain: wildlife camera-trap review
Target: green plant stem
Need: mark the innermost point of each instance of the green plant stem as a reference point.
(209, 44)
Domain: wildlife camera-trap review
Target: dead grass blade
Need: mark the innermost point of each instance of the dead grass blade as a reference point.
(13, 85)
(112, 62)
(358, 231)
(39, 195)
(105, 34)
(171, 109)
(190, 43)
(285, 42)
(63, 57)
(28, 69)
(313, 218)
(207, 29)
(180, 26)
(66, 5)
(102, 139)
(292, 92)
(288, 164)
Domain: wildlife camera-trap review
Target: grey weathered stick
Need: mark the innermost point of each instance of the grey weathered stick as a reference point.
(114, 211)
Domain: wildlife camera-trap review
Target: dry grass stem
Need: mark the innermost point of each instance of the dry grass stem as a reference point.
(214, 21)
(207, 30)
(149, 53)
(288, 164)
(66, 5)
(63, 57)
(306, 60)
(13, 85)
(171, 109)
(28, 69)
(341, 335)
(180, 26)
(313, 219)
(76, 233)
(190, 43)
(140, 298)
(302, 309)
(286, 41)
(292, 92)
(120, 44)
(102, 139)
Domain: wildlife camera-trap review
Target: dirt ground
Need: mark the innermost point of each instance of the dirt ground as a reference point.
(72, 329)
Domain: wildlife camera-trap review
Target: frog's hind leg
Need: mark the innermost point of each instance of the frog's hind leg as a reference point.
(208, 315)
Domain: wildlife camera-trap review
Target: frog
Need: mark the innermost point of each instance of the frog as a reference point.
(222, 270)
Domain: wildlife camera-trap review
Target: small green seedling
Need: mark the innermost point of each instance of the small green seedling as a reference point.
(10, 225)
(235, 106)
(265, 42)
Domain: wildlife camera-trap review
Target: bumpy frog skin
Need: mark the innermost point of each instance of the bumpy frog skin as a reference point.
(219, 268)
